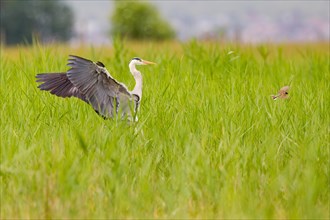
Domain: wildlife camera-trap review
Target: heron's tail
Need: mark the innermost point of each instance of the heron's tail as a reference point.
(58, 84)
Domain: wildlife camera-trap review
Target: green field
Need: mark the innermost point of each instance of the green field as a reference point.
(210, 142)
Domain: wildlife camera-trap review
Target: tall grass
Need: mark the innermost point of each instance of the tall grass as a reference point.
(210, 142)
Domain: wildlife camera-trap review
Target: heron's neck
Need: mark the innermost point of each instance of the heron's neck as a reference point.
(138, 80)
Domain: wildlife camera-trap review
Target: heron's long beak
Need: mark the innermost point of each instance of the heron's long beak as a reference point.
(146, 62)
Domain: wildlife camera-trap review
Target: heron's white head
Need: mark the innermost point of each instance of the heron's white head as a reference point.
(137, 75)
(139, 61)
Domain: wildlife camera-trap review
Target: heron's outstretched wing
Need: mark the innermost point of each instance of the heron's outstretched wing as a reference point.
(59, 84)
(101, 90)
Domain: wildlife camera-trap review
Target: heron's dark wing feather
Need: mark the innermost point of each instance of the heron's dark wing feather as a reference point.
(58, 84)
(94, 81)
(137, 100)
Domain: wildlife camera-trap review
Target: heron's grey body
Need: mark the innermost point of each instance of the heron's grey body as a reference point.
(91, 82)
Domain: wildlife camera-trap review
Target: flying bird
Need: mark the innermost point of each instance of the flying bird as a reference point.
(282, 94)
(91, 82)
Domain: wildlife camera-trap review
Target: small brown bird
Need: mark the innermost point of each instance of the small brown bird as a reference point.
(282, 94)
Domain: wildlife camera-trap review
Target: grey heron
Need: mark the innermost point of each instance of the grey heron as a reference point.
(282, 94)
(91, 82)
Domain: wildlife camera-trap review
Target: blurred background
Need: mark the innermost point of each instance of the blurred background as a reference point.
(97, 22)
